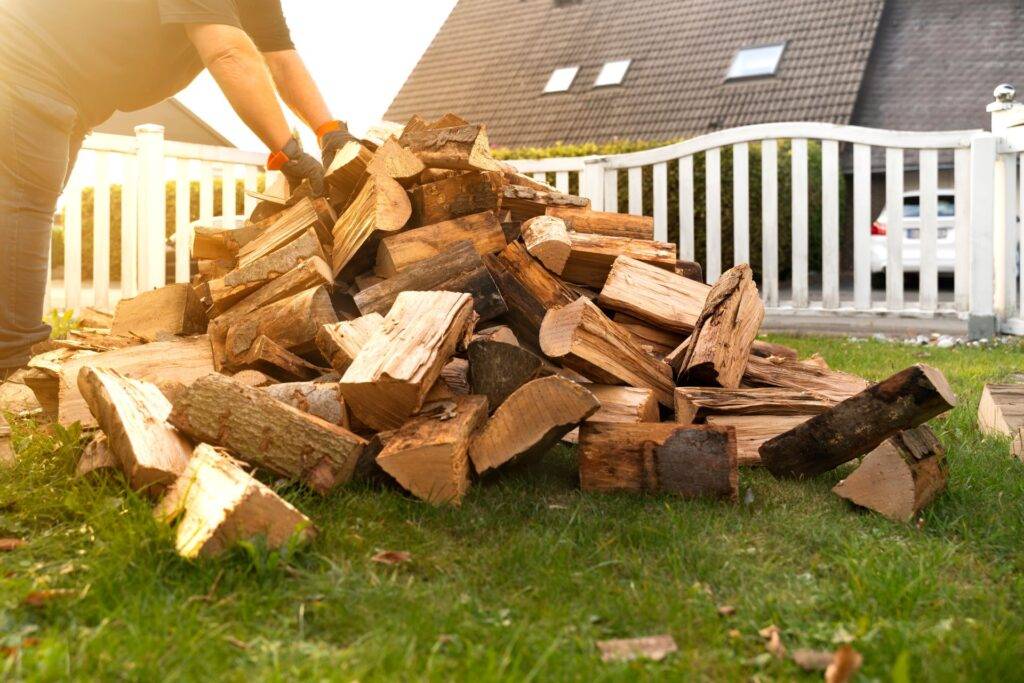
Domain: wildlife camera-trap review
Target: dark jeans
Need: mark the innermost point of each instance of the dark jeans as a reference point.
(39, 140)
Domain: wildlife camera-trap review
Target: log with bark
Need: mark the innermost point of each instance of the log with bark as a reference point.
(695, 404)
(404, 251)
(390, 377)
(530, 421)
(222, 243)
(340, 342)
(653, 338)
(174, 310)
(528, 202)
(322, 399)
(215, 504)
(309, 274)
(270, 358)
(601, 223)
(654, 295)
(428, 454)
(496, 369)
(267, 433)
(457, 196)
(1001, 412)
(591, 257)
(859, 424)
(620, 404)
(461, 148)
(380, 207)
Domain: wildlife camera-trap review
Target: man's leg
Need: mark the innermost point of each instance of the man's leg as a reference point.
(35, 136)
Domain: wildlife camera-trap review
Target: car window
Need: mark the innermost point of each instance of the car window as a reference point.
(912, 207)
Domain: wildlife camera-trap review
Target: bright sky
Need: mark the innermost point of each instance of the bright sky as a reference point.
(360, 54)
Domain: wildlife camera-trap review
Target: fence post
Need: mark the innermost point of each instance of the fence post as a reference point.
(152, 216)
(592, 182)
(981, 320)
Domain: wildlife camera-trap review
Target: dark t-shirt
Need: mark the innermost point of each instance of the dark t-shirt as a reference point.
(107, 55)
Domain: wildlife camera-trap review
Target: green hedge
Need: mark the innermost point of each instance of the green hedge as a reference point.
(784, 201)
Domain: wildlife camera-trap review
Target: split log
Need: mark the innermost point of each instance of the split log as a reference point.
(208, 269)
(455, 376)
(1001, 412)
(322, 399)
(528, 202)
(687, 460)
(168, 311)
(859, 424)
(530, 421)
(309, 274)
(42, 377)
(418, 124)
(582, 338)
(341, 342)
(347, 172)
(96, 457)
(528, 289)
(396, 162)
(292, 323)
(460, 195)
(591, 256)
(267, 433)
(253, 378)
(620, 404)
(217, 504)
(177, 362)
(694, 404)
(461, 148)
(498, 333)
(458, 269)
(654, 295)
(270, 358)
(691, 270)
(496, 369)
(830, 385)
(365, 281)
(401, 252)
(95, 319)
(754, 430)
(764, 349)
(601, 223)
(286, 227)
(900, 477)
(659, 342)
(222, 243)
(547, 240)
(427, 456)
(390, 377)
(382, 206)
(133, 414)
(718, 349)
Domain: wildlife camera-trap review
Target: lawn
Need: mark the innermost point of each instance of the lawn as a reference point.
(522, 580)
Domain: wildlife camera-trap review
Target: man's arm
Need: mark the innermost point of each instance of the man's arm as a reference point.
(297, 88)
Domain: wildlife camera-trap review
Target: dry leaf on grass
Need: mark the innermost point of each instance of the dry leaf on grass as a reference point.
(626, 649)
(774, 644)
(392, 557)
(812, 660)
(11, 650)
(845, 663)
(41, 597)
(8, 544)
(726, 610)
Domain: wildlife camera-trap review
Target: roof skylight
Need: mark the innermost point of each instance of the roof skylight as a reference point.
(561, 79)
(612, 73)
(756, 61)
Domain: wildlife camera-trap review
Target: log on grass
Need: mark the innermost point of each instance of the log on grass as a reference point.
(654, 295)
(457, 196)
(752, 431)
(215, 504)
(267, 433)
(341, 342)
(786, 373)
(174, 310)
(528, 202)
(133, 414)
(1001, 412)
(601, 223)
(322, 399)
(380, 207)
(530, 421)
(694, 404)
(462, 148)
(292, 323)
(401, 252)
(428, 456)
(900, 477)
(859, 424)
(388, 380)
(496, 369)
(396, 162)
(583, 339)
(592, 256)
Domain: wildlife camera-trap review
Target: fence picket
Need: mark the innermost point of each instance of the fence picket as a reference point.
(928, 276)
(800, 296)
(713, 201)
(1006, 237)
(894, 228)
(206, 191)
(611, 191)
(541, 177)
(73, 244)
(251, 182)
(130, 230)
(182, 211)
(962, 229)
(1020, 239)
(862, 227)
(770, 222)
(228, 189)
(660, 187)
(636, 191)
(562, 181)
(101, 234)
(740, 203)
(686, 241)
(829, 224)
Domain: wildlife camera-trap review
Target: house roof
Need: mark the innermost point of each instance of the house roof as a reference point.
(492, 58)
(180, 123)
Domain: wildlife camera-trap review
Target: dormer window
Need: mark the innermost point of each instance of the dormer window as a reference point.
(751, 62)
(561, 79)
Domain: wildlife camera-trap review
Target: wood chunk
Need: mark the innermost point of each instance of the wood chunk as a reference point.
(718, 349)
(267, 433)
(859, 424)
(382, 206)
(765, 349)
(463, 148)
(528, 289)
(272, 359)
(654, 295)
(217, 504)
(253, 378)
(529, 202)
(309, 274)
(547, 240)
(1001, 412)
(601, 223)
(96, 319)
(530, 421)
(398, 253)
(455, 376)
(620, 404)
(341, 342)
(753, 430)
(292, 323)
(654, 339)
(170, 310)
(694, 404)
(97, 457)
(207, 269)
(396, 162)
(178, 362)
(347, 172)
(830, 385)
(459, 269)
(390, 377)
(286, 227)
(427, 455)
(498, 333)
(629, 457)
(497, 369)
(222, 243)
(582, 338)
(366, 280)
(322, 399)
(42, 377)
(592, 256)
(900, 477)
(460, 195)
(133, 414)
(691, 270)
(417, 124)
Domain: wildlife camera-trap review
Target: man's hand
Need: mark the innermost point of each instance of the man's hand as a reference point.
(297, 166)
(333, 135)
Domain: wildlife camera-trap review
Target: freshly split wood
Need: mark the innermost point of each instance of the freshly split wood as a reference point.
(174, 310)
(401, 252)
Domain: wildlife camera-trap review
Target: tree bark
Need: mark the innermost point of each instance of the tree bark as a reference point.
(601, 223)
(457, 196)
(405, 251)
(528, 202)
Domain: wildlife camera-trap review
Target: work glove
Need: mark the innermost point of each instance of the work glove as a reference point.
(297, 166)
(333, 135)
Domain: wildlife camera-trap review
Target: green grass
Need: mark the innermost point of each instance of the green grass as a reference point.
(522, 580)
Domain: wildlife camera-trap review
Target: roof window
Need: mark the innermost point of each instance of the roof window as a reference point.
(561, 79)
(751, 62)
(612, 73)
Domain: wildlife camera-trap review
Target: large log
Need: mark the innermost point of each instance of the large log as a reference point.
(347, 172)
(428, 454)
(291, 323)
(457, 196)
(753, 430)
(133, 414)
(591, 256)
(859, 424)
(900, 477)
(1001, 412)
(217, 504)
(582, 338)
(830, 385)
(530, 421)
(390, 377)
(496, 369)
(380, 207)
(718, 350)
(168, 311)
(267, 433)
(461, 148)
(694, 404)
(322, 399)
(655, 295)
(528, 202)
(396, 162)
(341, 342)
(601, 223)
(398, 253)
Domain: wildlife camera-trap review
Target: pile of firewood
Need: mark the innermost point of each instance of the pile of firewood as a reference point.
(439, 318)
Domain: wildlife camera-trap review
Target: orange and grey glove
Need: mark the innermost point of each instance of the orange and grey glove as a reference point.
(297, 166)
(332, 136)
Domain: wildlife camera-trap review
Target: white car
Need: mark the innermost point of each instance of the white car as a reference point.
(945, 252)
